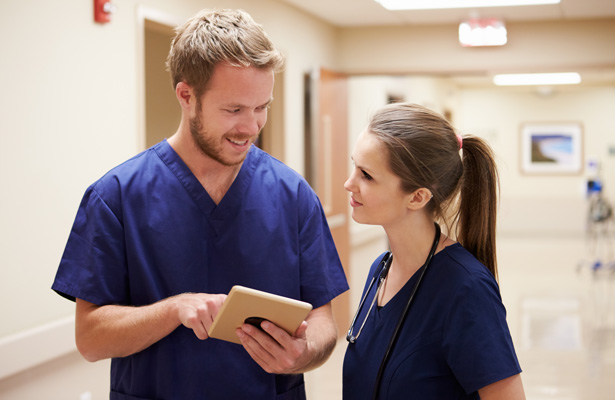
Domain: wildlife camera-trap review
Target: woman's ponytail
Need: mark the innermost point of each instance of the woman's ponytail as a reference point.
(478, 202)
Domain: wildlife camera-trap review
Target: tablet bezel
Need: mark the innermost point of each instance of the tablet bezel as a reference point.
(243, 302)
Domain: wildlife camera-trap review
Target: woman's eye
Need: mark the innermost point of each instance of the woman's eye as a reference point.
(366, 175)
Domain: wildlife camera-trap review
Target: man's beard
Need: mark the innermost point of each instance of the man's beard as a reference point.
(208, 145)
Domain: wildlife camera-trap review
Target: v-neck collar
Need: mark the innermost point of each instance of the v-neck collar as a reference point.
(217, 215)
(400, 298)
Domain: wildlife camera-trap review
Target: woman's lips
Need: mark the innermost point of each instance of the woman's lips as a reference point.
(354, 203)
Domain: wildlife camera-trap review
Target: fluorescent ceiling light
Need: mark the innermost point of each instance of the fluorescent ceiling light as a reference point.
(438, 4)
(482, 32)
(560, 78)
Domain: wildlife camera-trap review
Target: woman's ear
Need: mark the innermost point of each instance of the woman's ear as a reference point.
(419, 198)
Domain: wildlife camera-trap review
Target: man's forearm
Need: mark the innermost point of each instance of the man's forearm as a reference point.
(321, 335)
(119, 331)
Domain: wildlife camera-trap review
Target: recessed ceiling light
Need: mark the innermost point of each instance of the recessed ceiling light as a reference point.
(439, 4)
(559, 78)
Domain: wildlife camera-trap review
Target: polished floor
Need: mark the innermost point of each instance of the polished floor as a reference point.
(561, 313)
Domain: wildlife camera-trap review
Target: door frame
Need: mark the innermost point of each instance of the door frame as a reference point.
(147, 14)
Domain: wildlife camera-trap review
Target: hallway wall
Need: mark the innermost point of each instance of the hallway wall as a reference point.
(532, 47)
(542, 204)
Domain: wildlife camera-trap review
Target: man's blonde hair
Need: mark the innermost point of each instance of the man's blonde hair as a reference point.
(216, 36)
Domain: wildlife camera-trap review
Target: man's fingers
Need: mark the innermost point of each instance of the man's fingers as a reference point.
(274, 349)
(281, 337)
(254, 349)
(300, 332)
(198, 310)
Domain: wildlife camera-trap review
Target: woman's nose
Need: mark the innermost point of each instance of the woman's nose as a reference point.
(348, 185)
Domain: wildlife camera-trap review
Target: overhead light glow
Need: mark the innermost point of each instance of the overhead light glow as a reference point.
(482, 32)
(439, 4)
(560, 78)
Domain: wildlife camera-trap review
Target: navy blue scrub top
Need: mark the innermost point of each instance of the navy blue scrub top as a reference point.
(455, 339)
(148, 230)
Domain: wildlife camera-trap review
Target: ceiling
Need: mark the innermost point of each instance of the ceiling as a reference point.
(358, 13)
(354, 13)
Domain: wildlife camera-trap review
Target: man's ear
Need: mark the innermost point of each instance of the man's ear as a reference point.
(419, 198)
(185, 95)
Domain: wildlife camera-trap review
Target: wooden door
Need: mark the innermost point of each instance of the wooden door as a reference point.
(327, 164)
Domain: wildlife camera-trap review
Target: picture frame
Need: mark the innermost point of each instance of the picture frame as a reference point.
(552, 148)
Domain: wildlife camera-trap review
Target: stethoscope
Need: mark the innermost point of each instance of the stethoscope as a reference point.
(380, 275)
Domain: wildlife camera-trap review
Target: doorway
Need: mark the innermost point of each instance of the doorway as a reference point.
(326, 156)
(162, 111)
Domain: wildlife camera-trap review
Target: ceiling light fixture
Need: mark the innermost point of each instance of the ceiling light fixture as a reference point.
(482, 32)
(439, 4)
(559, 78)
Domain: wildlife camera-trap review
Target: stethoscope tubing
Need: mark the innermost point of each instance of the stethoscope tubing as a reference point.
(404, 314)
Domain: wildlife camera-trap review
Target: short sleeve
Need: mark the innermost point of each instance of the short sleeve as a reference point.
(322, 275)
(93, 266)
(476, 339)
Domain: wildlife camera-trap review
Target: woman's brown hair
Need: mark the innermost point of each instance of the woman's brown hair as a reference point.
(424, 151)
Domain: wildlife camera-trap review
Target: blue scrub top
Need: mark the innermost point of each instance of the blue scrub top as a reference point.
(455, 339)
(148, 230)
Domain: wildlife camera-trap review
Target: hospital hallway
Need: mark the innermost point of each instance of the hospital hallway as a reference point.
(561, 316)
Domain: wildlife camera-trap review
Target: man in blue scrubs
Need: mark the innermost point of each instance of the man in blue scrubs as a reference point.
(160, 239)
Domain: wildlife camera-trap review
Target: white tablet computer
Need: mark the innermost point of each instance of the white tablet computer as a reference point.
(245, 305)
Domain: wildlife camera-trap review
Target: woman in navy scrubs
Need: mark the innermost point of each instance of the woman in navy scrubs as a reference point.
(431, 323)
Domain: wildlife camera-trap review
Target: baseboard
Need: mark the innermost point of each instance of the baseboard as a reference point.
(33, 347)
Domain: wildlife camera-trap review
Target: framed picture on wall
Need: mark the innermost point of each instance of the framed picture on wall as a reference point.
(552, 148)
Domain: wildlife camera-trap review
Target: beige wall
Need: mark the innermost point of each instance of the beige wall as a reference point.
(546, 205)
(532, 46)
(72, 109)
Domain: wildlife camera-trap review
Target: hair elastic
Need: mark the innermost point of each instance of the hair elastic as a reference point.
(460, 140)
